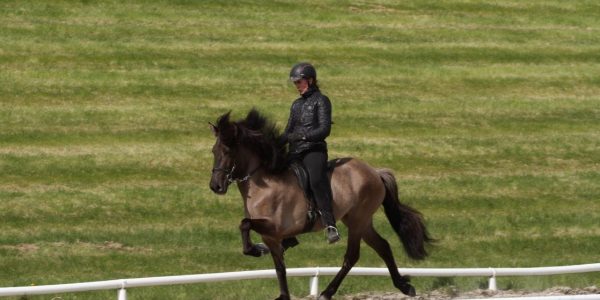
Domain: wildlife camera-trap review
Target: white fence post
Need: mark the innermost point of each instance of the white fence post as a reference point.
(314, 284)
(122, 294)
(122, 291)
(492, 284)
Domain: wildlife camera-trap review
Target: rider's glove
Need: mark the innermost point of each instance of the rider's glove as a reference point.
(295, 136)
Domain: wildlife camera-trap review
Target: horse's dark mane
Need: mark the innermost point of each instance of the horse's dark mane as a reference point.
(260, 135)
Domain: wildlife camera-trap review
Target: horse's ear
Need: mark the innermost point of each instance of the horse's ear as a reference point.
(227, 131)
(214, 129)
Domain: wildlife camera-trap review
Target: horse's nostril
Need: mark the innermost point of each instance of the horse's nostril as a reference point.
(215, 187)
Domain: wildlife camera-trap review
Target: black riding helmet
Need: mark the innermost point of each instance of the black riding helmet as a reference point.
(303, 70)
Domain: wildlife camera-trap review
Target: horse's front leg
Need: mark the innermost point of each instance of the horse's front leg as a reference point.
(267, 230)
(277, 255)
(249, 248)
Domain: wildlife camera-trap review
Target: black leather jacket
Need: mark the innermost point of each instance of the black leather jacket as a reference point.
(310, 117)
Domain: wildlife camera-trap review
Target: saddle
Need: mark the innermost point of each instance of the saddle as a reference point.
(302, 176)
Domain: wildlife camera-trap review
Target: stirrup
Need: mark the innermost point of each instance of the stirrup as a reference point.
(333, 235)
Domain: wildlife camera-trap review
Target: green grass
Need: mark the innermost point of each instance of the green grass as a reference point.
(487, 112)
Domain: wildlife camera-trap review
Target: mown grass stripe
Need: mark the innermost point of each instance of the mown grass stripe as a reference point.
(487, 112)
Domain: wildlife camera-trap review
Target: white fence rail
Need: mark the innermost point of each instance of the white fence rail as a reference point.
(121, 285)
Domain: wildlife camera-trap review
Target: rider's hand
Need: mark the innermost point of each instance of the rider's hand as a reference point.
(295, 136)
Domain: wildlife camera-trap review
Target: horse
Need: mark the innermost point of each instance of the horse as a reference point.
(250, 153)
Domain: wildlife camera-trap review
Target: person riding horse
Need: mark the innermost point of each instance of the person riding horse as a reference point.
(308, 125)
(249, 153)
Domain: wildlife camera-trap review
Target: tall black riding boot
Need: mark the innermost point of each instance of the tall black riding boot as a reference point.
(324, 203)
(316, 165)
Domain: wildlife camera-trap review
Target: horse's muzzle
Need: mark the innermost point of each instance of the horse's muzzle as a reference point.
(218, 188)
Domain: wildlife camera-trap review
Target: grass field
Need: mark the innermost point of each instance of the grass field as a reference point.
(488, 112)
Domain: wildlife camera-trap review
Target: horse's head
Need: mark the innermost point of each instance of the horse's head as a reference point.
(244, 146)
(225, 154)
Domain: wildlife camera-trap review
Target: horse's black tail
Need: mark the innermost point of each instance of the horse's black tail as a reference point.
(406, 221)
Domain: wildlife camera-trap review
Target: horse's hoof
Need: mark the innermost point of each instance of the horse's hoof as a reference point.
(282, 298)
(257, 250)
(408, 290)
(264, 250)
(325, 295)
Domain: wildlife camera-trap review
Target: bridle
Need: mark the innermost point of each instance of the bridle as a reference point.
(229, 174)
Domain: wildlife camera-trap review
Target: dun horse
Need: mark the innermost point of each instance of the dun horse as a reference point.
(249, 153)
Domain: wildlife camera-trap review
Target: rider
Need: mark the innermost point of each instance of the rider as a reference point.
(308, 126)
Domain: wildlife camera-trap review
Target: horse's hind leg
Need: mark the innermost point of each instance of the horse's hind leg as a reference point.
(382, 247)
(351, 257)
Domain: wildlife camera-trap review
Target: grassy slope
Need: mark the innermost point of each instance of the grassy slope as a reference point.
(487, 112)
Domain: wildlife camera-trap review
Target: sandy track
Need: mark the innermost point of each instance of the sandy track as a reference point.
(450, 293)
